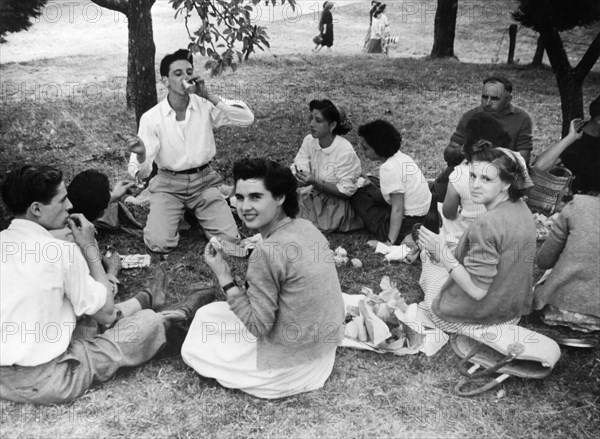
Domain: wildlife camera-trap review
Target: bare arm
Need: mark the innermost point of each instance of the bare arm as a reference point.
(550, 157)
(396, 217)
(451, 203)
(435, 244)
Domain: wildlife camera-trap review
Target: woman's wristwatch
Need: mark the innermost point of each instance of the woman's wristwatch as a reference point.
(228, 286)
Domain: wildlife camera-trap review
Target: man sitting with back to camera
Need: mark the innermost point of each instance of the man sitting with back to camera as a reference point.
(177, 134)
(496, 97)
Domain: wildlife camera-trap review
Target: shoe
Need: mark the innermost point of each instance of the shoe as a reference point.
(191, 303)
(158, 289)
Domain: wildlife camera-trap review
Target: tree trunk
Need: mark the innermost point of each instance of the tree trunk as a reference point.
(444, 29)
(539, 53)
(141, 79)
(570, 86)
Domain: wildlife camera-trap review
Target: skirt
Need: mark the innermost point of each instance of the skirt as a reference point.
(374, 46)
(219, 346)
(328, 213)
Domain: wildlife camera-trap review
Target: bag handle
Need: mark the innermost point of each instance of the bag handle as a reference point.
(513, 350)
(481, 389)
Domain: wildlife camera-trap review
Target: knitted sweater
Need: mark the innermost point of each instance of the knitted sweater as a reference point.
(572, 250)
(293, 303)
(497, 250)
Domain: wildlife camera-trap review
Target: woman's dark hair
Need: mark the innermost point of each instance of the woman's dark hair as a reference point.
(482, 126)
(509, 169)
(382, 136)
(331, 114)
(277, 179)
(89, 192)
(29, 184)
(180, 55)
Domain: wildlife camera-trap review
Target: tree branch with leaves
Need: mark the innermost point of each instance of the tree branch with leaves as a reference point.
(226, 33)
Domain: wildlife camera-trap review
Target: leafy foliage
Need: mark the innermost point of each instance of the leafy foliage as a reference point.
(225, 25)
(558, 14)
(16, 15)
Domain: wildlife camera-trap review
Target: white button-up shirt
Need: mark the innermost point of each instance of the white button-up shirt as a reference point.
(45, 284)
(179, 148)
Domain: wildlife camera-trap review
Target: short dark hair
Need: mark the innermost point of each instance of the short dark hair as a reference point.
(331, 114)
(89, 192)
(181, 54)
(382, 136)
(483, 126)
(595, 108)
(509, 169)
(277, 179)
(500, 80)
(28, 184)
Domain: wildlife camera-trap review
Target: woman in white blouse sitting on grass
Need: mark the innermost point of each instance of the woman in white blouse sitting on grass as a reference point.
(327, 169)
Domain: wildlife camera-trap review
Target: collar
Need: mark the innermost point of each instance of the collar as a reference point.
(278, 225)
(511, 109)
(28, 226)
(166, 109)
(331, 147)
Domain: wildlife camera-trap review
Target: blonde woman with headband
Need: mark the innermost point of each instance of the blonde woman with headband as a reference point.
(327, 169)
(486, 280)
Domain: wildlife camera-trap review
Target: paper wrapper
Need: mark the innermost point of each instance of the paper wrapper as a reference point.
(135, 261)
(391, 324)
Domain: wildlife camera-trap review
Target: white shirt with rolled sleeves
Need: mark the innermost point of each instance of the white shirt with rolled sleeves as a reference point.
(45, 285)
(177, 150)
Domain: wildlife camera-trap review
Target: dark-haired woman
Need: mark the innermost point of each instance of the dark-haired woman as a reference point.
(401, 198)
(326, 27)
(277, 336)
(486, 280)
(327, 169)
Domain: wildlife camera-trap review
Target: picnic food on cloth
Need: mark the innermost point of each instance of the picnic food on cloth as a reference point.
(384, 322)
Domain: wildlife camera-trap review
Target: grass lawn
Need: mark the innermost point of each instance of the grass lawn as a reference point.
(368, 395)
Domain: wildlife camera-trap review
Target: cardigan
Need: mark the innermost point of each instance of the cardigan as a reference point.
(572, 250)
(293, 303)
(498, 251)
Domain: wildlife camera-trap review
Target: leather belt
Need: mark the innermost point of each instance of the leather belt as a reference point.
(189, 171)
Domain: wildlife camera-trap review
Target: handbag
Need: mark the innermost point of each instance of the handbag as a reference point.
(548, 186)
(318, 39)
(511, 351)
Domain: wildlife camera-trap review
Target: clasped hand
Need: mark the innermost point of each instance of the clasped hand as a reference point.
(431, 242)
(84, 232)
(305, 178)
(134, 143)
(215, 259)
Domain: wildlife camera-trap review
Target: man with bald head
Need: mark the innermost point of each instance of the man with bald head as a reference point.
(496, 97)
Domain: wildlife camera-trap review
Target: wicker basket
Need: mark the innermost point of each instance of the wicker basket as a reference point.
(548, 187)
